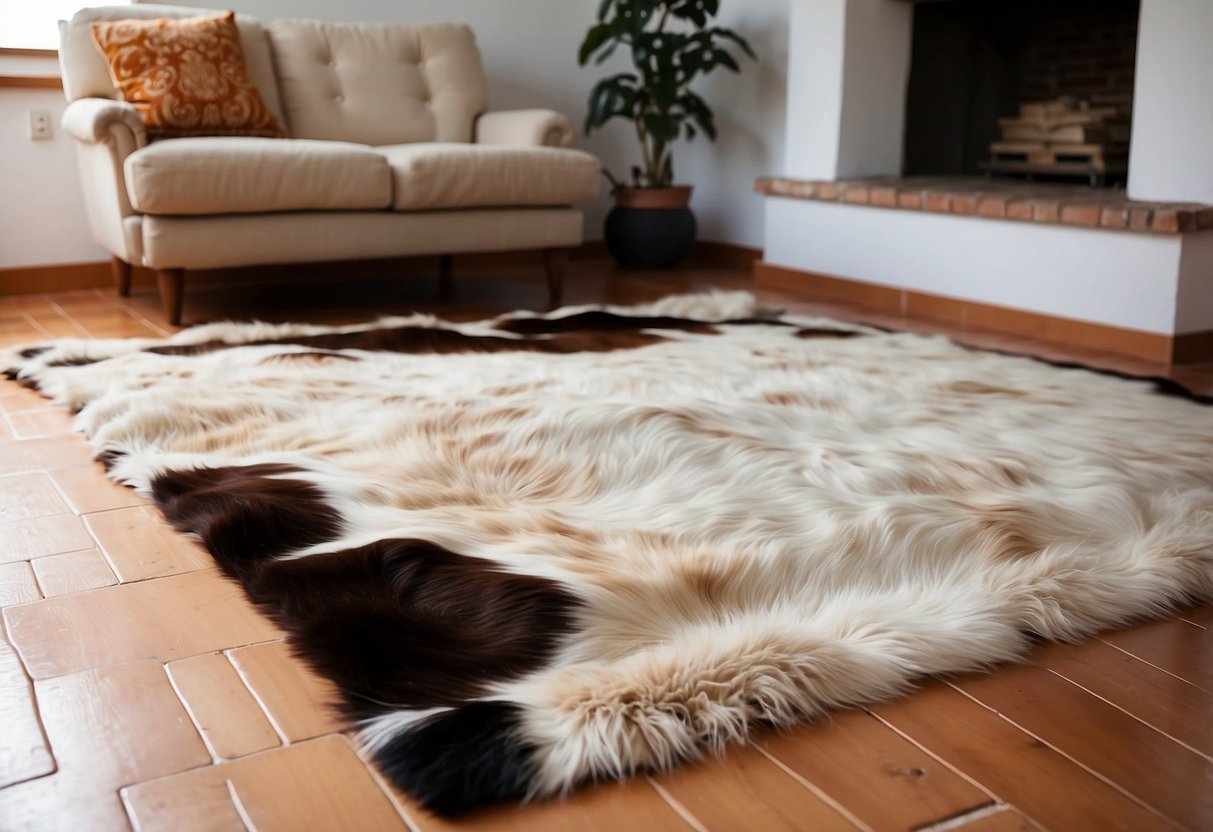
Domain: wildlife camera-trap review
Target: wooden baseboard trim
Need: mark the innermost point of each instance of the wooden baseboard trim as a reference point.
(907, 303)
(724, 255)
(67, 277)
(32, 82)
(25, 280)
(18, 51)
(1191, 347)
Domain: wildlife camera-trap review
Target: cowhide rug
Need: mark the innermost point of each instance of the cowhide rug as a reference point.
(540, 550)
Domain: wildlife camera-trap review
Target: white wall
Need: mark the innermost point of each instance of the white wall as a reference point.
(1171, 155)
(529, 49)
(1195, 305)
(879, 36)
(846, 95)
(42, 218)
(1109, 277)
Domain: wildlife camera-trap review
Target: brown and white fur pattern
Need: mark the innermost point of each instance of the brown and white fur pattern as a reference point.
(601, 543)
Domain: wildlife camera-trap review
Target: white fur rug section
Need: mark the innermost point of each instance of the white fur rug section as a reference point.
(759, 526)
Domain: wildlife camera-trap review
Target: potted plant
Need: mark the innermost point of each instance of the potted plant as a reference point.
(671, 45)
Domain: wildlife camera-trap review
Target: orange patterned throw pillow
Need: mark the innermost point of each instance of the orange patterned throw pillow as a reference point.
(186, 77)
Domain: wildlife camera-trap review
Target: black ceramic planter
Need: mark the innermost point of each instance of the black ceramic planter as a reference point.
(650, 238)
(651, 228)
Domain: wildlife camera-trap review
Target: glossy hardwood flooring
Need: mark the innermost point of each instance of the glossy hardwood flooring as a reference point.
(139, 689)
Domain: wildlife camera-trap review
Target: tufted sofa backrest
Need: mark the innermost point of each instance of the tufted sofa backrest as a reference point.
(85, 74)
(378, 83)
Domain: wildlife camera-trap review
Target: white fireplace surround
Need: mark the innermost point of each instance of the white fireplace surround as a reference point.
(848, 69)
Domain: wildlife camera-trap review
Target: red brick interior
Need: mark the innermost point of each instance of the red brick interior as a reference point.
(1088, 54)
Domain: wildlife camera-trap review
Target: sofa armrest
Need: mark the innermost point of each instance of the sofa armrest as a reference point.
(107, 133)
(93, 120)
(524, 128)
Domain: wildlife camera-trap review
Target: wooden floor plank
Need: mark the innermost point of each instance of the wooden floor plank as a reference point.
(230, 720)
(62, 803)
(24, 753)
(170, 618)
(42, 421)
(319, 785)
(1181, 649)
(72, 572)
(40, 536)
(121, 724)
(296, 700)
(26, 496)
(141, 545)
(634, 806)
(1200, 616)
(1174, 780)
(14, 397)
(874, 773)
(745, 789)
(1174, 707)
(107, 727)
(1018, 769)
(87, 490)
(17, 584)
(45, 454)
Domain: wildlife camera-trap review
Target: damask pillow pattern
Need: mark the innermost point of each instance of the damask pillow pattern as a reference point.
(186, 77)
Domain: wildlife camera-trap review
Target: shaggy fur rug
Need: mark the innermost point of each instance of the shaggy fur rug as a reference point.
(539, 550)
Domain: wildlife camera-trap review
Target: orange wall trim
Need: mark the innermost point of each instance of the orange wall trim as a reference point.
(1189, 347)
(24, 280)
(32, 82)
(69, 277)
(6, 51)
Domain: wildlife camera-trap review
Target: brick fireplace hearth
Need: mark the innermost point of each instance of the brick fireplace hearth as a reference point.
(1005, 199)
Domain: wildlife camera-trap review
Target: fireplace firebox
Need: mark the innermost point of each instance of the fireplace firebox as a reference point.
(977, 67)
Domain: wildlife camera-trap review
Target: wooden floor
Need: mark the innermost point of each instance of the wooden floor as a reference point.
(139, 689)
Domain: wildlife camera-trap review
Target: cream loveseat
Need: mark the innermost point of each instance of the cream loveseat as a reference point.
(392, 153)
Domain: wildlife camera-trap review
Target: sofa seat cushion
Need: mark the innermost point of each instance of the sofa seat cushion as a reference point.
(240, 175)
(440, 175)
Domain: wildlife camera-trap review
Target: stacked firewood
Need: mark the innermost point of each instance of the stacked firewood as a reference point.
(1063, 131)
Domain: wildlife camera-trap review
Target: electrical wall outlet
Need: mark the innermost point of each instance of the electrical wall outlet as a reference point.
(39, 124)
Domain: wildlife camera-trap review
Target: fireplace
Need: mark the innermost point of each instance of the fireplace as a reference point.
(892, 109)
(976, 67)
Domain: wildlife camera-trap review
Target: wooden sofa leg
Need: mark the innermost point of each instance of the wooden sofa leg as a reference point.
(556, 261)
(122, 275)
(172, 292)
(446, 276)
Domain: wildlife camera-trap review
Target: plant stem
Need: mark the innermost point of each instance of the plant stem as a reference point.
(645, 156)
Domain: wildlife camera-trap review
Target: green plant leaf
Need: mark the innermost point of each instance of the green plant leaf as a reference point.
(729, 34)
(661, 126)
(611, 97)
(725, 59)
(605, 55)
(594, 39)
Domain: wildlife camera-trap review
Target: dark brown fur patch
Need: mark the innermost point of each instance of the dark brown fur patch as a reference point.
(74, 362)
(409, 624)
(437, 341)
(395, 624)
(827, 333)
(247, 514)
(599, 321)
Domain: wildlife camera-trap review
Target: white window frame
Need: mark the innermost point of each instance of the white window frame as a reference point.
(32, 25)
